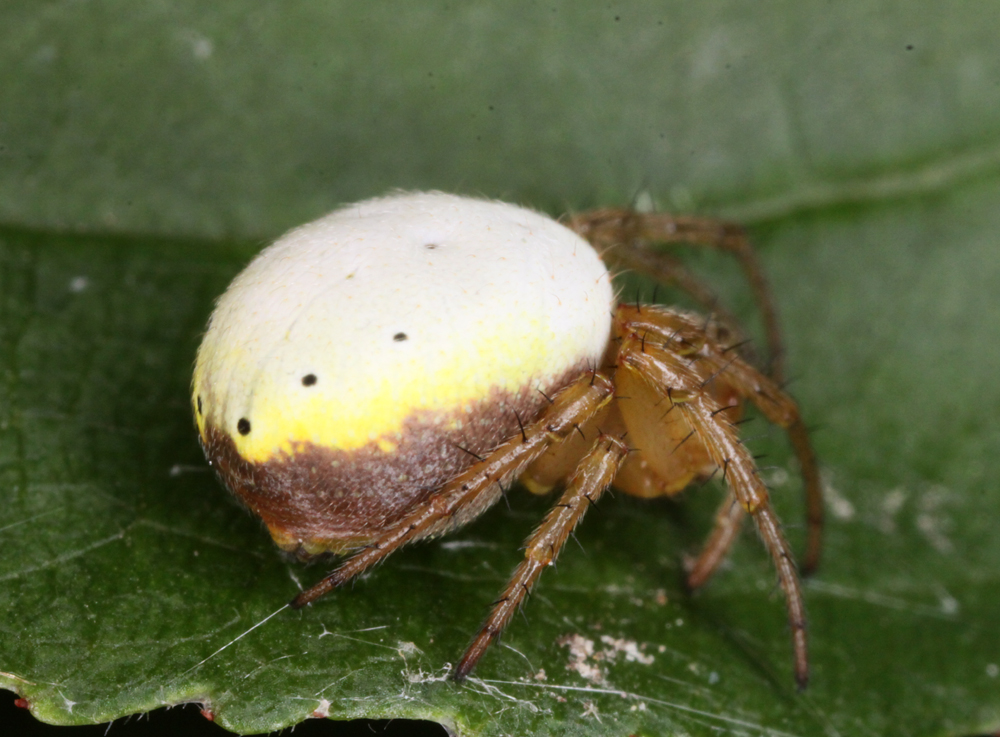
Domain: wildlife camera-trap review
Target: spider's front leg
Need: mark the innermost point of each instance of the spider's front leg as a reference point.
(474, 491)
(683, 335)
(594, 475)
(669, 373)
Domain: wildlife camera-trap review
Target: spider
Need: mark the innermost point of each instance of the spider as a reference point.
(384, 374)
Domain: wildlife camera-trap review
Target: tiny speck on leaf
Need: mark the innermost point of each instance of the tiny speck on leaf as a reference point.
(308, 379)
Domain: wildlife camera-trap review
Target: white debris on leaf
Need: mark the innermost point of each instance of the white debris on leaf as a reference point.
(931, 522)
(777, 477)
(322, 711)
(892, 503)
(585, 659)
(420, 677)
(407, 648)
(838, 504)
(631, 649)
(580, 648)
(590, 710)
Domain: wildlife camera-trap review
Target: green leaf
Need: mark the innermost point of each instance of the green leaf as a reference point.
(146, 150)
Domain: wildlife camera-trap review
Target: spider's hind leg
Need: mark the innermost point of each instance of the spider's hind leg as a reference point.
(669, 372)
(625, 237)
(728, 521)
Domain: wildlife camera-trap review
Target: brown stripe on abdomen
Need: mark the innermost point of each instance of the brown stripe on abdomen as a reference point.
(320, 500)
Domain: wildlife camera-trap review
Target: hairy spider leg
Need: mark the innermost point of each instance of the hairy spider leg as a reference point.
(670, 374)
(728, 521)
(594, 475)
(667, 269)
(625, 236)
(685, 335)
(475, 490)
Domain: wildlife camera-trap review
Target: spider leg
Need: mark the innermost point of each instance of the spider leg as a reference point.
(682, 334)
(665, 370)
(592, 478)
(728, 520)
(666, 269)
(475, 490)
(623, 237)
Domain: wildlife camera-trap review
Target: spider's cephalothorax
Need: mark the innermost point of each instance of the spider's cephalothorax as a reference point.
(382, 374)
